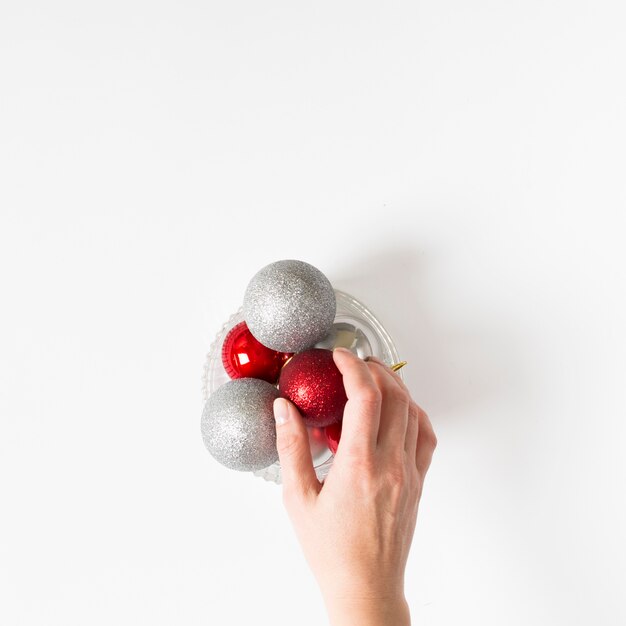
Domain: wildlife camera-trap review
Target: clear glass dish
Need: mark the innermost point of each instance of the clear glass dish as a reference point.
(355, 328)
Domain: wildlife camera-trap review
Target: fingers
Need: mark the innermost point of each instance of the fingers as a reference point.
(380, 412)
(412, 431)
(361, 415)
(426, 444)
(394, 375)
(411, 421)
(294, 451)
(393, 415)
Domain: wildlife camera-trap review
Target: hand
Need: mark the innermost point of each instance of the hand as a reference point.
(356, 528)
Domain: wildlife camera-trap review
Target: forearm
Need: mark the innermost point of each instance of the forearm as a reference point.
(368, 612)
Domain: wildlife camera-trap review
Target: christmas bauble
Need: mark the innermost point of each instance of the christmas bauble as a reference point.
(333, 435)
(244, 357)
(289, 305)
(311, 380)
(238, 425)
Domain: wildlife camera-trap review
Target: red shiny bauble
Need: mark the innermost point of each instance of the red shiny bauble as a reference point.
(244, 357)
(311, 380)
(333, 435)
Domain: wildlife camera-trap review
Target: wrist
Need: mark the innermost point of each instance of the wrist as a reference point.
(368, 611)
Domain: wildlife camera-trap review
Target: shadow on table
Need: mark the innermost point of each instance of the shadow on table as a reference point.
(453, 364)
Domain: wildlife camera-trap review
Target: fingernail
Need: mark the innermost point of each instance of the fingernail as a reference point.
(281, 411)
(341, 349)
(373, 359)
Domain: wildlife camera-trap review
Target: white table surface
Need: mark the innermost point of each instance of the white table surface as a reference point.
(457, 166)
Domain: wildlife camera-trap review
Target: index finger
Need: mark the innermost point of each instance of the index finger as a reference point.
(361, 416)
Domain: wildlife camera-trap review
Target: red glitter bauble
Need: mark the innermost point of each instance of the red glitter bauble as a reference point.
(244, 357)
(311, 380)
(333, 435)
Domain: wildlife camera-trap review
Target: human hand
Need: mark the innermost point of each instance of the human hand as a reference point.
(356, 528)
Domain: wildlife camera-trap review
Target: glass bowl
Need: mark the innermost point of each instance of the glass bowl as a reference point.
(355, 328)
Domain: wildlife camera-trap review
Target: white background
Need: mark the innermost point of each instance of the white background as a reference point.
(458, 166)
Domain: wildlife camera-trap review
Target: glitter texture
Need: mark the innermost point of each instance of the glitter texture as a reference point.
(289, 306)
(313, 383)
(238, 427)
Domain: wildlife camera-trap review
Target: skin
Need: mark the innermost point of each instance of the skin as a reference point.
(356, 528)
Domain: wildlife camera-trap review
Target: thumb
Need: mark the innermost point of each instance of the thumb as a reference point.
(294, 451)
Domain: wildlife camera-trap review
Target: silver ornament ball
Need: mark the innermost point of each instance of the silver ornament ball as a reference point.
(238, 425)
(289, 306)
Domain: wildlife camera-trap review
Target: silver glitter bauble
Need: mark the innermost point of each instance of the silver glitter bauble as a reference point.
(238, 425)
(289, 306)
